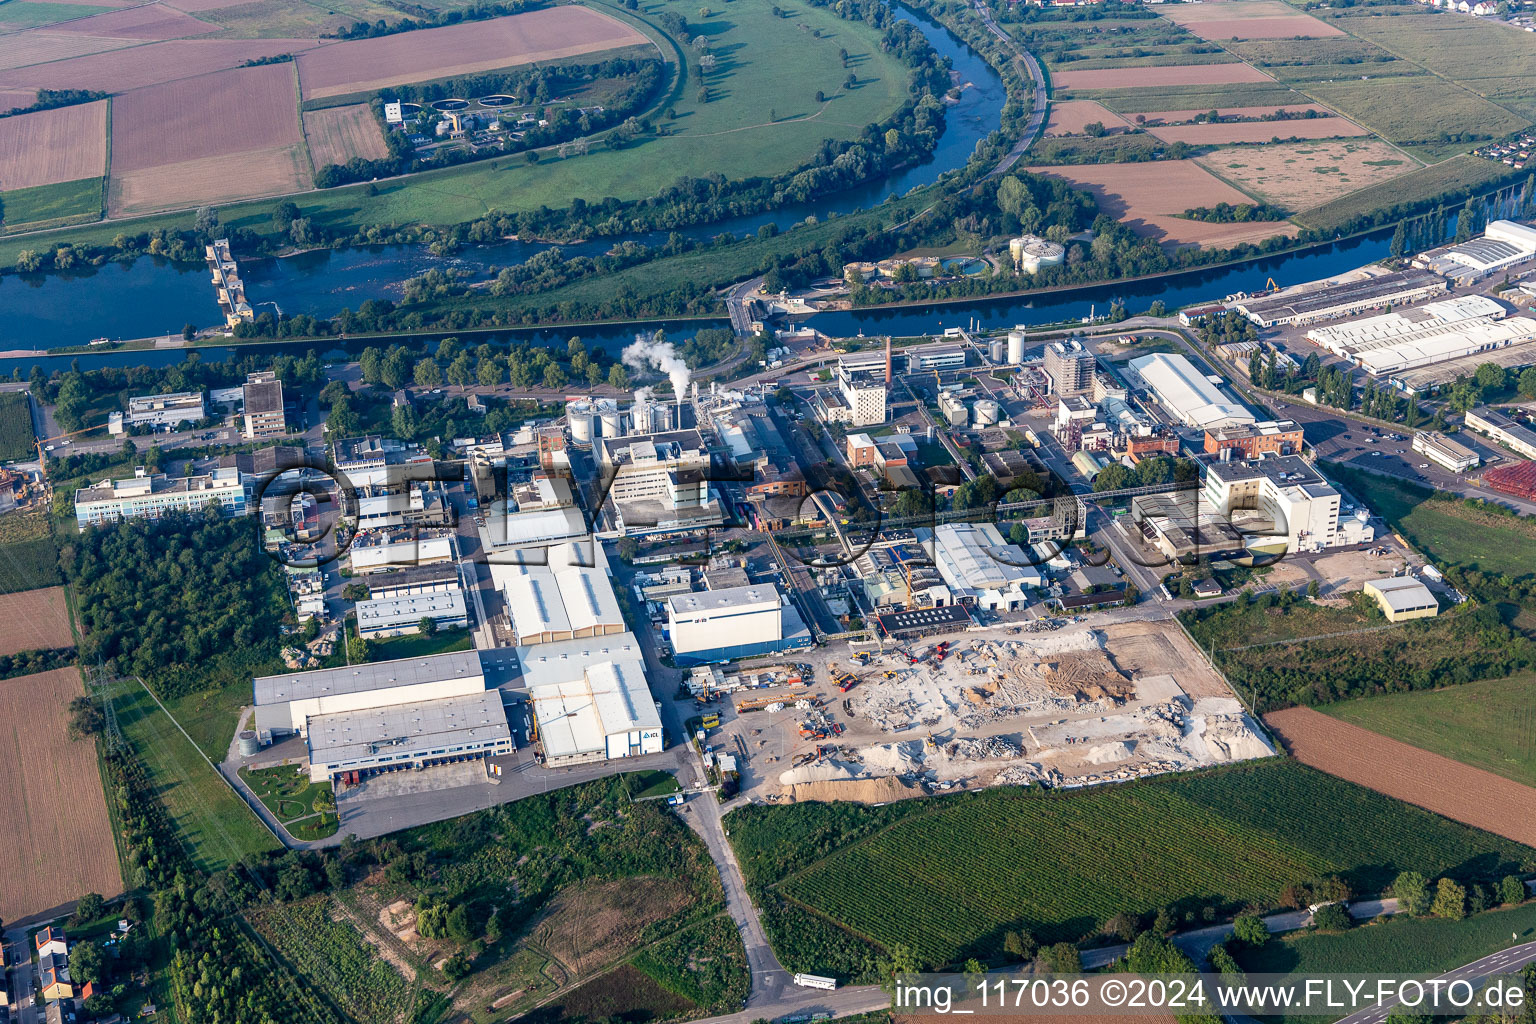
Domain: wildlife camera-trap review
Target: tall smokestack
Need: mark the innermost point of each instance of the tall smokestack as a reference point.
(887, 358)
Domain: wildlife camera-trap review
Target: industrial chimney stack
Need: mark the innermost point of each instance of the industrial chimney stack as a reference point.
(887, 359)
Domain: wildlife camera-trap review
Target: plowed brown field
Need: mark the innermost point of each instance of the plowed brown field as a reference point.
(229, 111)
(34, 620)
(223, 178)
(1069, 117)
(59, 840)
(150, 64)
(1259, 131)
(1249, 19)
(49, 146)
(337, 134)
(1460, 792)
(1173, 74)
(367, 64)
(150, 22)
(25, 48)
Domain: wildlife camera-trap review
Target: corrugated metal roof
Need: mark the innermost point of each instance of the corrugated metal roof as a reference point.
(408, 728)
(381, 675)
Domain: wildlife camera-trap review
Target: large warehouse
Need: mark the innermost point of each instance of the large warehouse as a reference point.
(434, 713)
(737, 622)
(1504, 244)
(1452, 341)
(979, 567)
(1335, 300)
(559, 602)
(590, 699)
(403, 614)
(1187, 395)
(1348, 339)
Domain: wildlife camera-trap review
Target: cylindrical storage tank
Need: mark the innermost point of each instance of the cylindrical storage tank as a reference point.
(640, 418)
(866, 271)
(611, 419)
(888, 268)
(1016, 248)
(986, 412)
(248, 743)
(579, 415)
(1040, 253)
(1016, 346)
(926, 266)
(999, 350)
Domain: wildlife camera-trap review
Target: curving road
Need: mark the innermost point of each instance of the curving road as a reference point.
(1503, 962)
(1039, 105)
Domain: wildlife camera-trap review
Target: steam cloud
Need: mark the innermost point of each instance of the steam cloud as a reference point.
(651, 350)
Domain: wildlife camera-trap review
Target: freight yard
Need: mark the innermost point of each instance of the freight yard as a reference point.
(1067, 706)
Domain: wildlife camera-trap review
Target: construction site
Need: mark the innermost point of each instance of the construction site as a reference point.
(1059, 705)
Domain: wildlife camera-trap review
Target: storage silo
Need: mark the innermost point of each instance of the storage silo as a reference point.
(999, 350)
(986, 412)
(611, 419)
(1016, 346)
(579, 415)
(249, 744)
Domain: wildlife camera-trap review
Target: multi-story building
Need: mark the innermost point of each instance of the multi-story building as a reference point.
(861, 450)
(264, 406)
(166, 410)
(1453, 455)
(658, 481)
(722, 625)
(862, 394)
(1070, 367)
(938, 356)
(1253, 440)
(1277, 498)
(147, 495)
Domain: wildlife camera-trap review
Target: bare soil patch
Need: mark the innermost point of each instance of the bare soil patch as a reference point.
(591, 924)
(225, 178)
(1161, 648)
(1259, 131)
(1301, 175)
(244, 109)
(1457, 791)
(50, 146)
(37, 47)
(34, 620)
(11, 99)
(1149, 198)
(1249, 19)
(1070, 117)
(150, 22)
(60, 840)
(1179, 116)
(150, 64)
(338, 134)
(1173, 74)
(367, 64)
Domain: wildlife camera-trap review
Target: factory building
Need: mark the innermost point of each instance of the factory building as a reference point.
(938, 356)
(1070, 367)
(860, 398)
(1182, 526)
(1454, 341)
(374, 461)
(953, 408)
(390, 549)
(1332, 301)
(559, 601)
(1402, 598)
(658, 483)
(590, 700)
(1187, 395)
(979, 567)
(424, 580)
(737, 622)
(1348, 339)
(536, 512)
(167, 410)
(1453, 455)
(1283, 497)
(263, 406)
(403, 614)
(1255, 440)
(148, 495)
(1504, 244)
(1511, 433)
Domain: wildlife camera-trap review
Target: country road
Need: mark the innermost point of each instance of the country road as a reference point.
(1504, 961)
(1039, 105)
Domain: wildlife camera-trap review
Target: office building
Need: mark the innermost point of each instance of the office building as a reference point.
(1254, 440)
(1453, 455)
(1070, 367)
(403, 614)
(166, 411)
(263, 406)
(151, 495)
(1511, 433)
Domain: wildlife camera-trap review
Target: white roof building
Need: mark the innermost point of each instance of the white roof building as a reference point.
(408, 735)
(1451, 341)
(284, 703)
(1188, 395)
(590, 698)
(717, 625)
(559, 601)
(402, 614)
(980, 567)
(1347, 339)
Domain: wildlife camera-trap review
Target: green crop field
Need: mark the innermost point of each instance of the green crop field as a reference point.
(28, 559)
(1417, 111)
(1059, 864)
(1454, 179)
(14, 15)
(16, 436)
(216, 826)
(1489, 724)
(1191, 97)
(1396, 945)
(29, 208)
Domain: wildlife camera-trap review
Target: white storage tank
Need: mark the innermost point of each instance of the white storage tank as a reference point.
(1016, 346)
(987, 412)
(612, 420)
(579, 415)
(999, 350)
(1041, 253)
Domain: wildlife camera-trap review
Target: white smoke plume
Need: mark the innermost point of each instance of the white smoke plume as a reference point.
(651, 350)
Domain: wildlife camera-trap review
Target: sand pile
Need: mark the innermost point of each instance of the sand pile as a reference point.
(893, 757)
(821, 771)
(1109, 753)
(861, 791)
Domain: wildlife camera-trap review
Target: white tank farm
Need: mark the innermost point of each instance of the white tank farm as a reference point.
(610, 417)
(1041, 253)
(999, 350)
(579, 415)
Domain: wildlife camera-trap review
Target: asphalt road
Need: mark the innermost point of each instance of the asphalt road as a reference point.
(1502, 962)
(1038, 108)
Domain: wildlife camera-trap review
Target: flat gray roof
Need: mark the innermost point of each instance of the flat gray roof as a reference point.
(357, 678)
(420, 728)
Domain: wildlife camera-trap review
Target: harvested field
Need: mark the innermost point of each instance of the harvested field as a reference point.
(1151, 78)
(12, 99)
(1259, 131)
(146, 65)
(1416, 110)
(368, 64)
(1180, 116)
(1450, 788)
(60, 839)
(1258, 19)
(152, 22)
(50, 146)
(338, 134)
(249, 109)
(225, 178)
(1071, 116)
(1303, 175)
(24, 48)
(1149, 199)
(35, 620)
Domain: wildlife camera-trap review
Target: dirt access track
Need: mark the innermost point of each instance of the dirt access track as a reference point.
(1457, 791)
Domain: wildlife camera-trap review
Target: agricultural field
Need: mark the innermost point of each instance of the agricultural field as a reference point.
(1318, 59)
(61, 841)
(1422, 112)
(1249, 19)
(216, 827)
(1159, 77)
(150, 64)
(16, 436)
(1234, 132)
(1489, 724)
(37, 620)
(1394, 945)
(1453, 179)
(17, 15)
(223, 178)
(53, 146)
(1132, 101)
(1223, 838)
(147, 22)
(339, 134)
(38, 47)
(1436, 783)
(367, 65)
(1149, 199)
(316, 937)
(1301, 175)
(28, 559)
(68, 202)
(1069, 117)
(299, 805)
(1171, 117)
